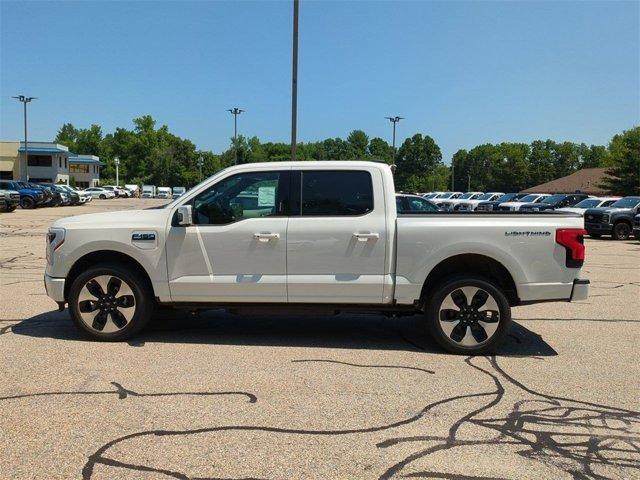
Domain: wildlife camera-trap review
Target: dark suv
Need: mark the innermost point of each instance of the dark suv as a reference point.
(493, 205)
(553, 202)
(615, 220)
(72, 197)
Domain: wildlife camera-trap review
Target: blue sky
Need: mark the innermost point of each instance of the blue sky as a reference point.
(463, 72)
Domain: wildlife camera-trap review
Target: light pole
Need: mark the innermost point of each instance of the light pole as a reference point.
(200, 163)
(394, 120)
(294, 82)
(116, 161)
(24, 176)
(235, 111)
(453, 181)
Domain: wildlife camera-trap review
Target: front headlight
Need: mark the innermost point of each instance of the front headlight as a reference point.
(606, 218)
(55, 238)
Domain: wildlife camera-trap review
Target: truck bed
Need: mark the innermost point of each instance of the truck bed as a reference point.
(523, 242)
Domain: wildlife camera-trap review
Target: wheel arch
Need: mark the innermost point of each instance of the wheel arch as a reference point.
(472, 263)
(104, 256)
(626, 220)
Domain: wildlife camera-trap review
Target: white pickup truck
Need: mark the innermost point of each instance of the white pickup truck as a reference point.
(323, 237)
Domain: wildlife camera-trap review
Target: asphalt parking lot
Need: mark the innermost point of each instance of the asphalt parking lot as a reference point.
(358, 396)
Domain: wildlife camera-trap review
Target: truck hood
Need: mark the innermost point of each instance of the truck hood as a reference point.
(138, 219)
(475, 201)
(571, 210)
(539, 205)
(609, 210)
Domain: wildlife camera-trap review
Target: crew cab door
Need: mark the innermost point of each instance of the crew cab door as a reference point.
(236, 249)
(336, 238)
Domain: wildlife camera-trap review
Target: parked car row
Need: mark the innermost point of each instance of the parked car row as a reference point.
(615, 216)
(151, 191)
(14, 193)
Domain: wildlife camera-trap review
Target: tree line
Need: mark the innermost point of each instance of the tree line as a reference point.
(152, 155)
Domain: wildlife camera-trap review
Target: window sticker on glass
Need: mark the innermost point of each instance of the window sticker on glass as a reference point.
(267, 196)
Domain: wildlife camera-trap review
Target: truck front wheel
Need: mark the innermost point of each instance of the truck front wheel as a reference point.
(468, 315)
(27, 203)
(110, 302)
(621, 231)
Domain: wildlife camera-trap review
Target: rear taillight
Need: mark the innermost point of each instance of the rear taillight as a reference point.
(572, 239)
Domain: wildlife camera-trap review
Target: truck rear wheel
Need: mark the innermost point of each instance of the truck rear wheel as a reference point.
(468, 315)
(110, 302)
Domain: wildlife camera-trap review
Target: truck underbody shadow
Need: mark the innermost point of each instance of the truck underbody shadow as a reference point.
(348, 331)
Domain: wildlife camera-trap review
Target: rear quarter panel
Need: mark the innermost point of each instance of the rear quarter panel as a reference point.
(524, 244)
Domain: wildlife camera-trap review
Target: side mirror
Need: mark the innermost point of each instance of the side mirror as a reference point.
(185, 215)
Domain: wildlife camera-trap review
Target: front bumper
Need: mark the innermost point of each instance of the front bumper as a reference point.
(580, 290)
(54, 287)
(9, 202)
(598, 228)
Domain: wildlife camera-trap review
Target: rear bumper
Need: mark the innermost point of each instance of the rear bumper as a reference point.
(54, 287)
(580, 290)
(530, 293)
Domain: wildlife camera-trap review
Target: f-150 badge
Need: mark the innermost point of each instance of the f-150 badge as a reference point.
(143, 236)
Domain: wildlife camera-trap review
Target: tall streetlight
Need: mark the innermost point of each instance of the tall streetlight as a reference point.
(294, 82)
(116, 161)
(200, 163)
(453, 180)
(24, 176)
(394, 120)
(235, 111)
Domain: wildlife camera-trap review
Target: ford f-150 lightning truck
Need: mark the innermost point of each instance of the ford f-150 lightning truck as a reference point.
(323, 237)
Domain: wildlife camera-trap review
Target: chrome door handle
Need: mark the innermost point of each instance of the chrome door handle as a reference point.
(365, 237)
(265, 237)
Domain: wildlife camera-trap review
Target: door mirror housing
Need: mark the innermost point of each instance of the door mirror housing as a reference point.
(185, 215)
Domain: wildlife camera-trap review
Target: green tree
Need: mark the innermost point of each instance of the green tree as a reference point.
(417, 157)
(359, 142)
(379, 149)
(593, 156)
(624, 170)
(67, 136)
(89, 140)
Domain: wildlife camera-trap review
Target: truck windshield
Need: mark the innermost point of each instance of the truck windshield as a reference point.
(529, 198)
(553, 199)
(466, 195)
(507, 197)
(487, 196)
(588, 203)
(627, 202)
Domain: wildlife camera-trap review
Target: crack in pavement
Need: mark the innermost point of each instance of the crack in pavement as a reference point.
(572, 436)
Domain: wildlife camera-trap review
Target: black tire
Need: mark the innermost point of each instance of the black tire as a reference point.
(143, 302)
(468, 321)
(102, 196)
(595, 235)
(621, 231)
(12, 208)
(27, 203)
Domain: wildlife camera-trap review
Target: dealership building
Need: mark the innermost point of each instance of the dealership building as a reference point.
(48, 162)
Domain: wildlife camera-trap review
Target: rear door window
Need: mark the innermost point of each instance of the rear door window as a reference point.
(335, 193)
